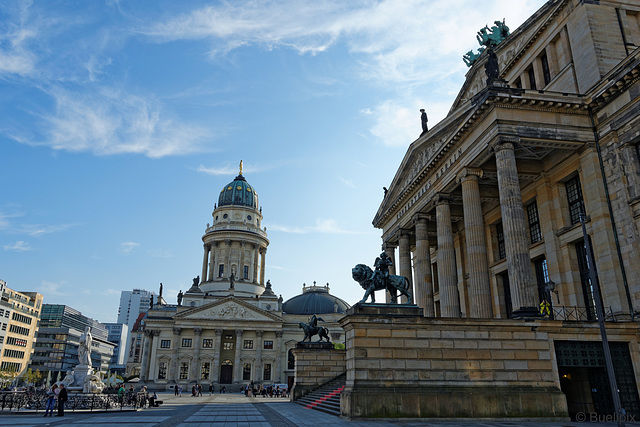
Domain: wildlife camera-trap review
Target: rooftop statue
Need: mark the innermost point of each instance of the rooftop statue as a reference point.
(487, 38)
(380, 279)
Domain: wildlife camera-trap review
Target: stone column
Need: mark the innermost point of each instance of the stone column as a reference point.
(173, 366)
(153, 357)
(256, 253)
(263, 254)
(277, 348)
(237, 369)
(404, 253)
(449, 300)
(212, 261)
(479, 287)
(422, 266)
(391, 252)
(241, 263)
(215, 369)
(258, 365)
(205, 262)
(227, 261)
(195, 368)
(516, 242)
(146, 356)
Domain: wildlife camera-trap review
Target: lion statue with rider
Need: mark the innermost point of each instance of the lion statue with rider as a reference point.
(380, 279)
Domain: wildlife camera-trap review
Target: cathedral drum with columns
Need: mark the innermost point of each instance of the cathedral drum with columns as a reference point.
(230, 327)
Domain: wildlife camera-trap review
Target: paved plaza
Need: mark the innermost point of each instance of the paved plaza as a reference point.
(234, 410)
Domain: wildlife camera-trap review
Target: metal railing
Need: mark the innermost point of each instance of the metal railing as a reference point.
(37, 401)
(580, 314)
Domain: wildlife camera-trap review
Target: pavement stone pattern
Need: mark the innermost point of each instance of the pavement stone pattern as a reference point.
(233, 410)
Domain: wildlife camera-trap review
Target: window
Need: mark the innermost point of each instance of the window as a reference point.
(248, 344)
(221, 270)
(21, 318)
(542, 278)
(165, 344)
(228, 337)
(534, 223)
(268, 345)
(16, 341)
(162, 371)
(246, 272)
(574, 197)
(227, 346)
(184, 370)
(246, 372)
(207, 343)
(532, 78)
(186, 342)
(291, 360)
(507, 293)
(585, 280)
(10, 366)
(16, 354)
(267, 372)
(19, 330)
(500, 238)
(204, 371)
(545, 68)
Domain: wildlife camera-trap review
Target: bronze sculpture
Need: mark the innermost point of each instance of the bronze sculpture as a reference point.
(376, 281)
(310, 329)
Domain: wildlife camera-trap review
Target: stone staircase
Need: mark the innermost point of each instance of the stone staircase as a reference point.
(326, 398)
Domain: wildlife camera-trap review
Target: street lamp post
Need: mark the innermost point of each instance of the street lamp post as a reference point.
(603, 332)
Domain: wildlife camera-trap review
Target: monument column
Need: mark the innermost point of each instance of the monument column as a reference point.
(391, 252)
(516, 242)
(263, 254)
(153, 361)
(449, 301)
(205, 262)
(422, 266)
(478, 266)
(404, 253)
(216, 357)
(195, 375)
(236, 364)
(258, 367)
(173, 367)
(278, 350)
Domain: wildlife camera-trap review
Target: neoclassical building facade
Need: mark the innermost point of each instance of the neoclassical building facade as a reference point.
(484, 212)
(230, 327)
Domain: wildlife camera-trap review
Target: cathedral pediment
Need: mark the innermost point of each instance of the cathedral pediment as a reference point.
(229, 309)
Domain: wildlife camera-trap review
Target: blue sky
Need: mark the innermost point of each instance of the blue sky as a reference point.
(121, 121)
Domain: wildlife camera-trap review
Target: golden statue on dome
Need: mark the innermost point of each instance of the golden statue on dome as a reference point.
(240, 167)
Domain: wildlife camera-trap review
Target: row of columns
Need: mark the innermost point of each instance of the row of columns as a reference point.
(150, 345)
(522, 284)
(212, 258)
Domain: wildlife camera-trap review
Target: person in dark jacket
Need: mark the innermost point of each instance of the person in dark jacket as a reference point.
(62, 399)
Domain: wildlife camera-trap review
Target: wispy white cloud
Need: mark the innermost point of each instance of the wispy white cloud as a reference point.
(223, 170)
(160, 253)
(128, 247)
(347, 182)
(51, 288)
(322, 226)
(112, 121)
(19, 246)
(36, 230)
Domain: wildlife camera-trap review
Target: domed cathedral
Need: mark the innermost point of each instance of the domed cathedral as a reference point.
(230, 327)
(235, 246)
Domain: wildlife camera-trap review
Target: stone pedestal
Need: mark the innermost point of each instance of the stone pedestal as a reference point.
(316, 364)
(402, 365)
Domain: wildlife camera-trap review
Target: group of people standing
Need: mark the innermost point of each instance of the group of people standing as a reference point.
(56, 394)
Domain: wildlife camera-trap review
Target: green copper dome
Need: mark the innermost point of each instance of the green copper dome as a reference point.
(238, 193)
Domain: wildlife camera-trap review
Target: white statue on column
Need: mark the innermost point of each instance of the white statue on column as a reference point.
(84, 350)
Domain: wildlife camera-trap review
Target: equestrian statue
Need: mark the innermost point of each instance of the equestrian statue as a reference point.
(310, 329)
(380, 279)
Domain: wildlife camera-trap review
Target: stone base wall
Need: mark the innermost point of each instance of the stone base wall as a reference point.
(400, 364)
(315, 367)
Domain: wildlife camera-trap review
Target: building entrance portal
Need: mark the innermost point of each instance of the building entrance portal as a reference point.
(583, 377)
(226, 372)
